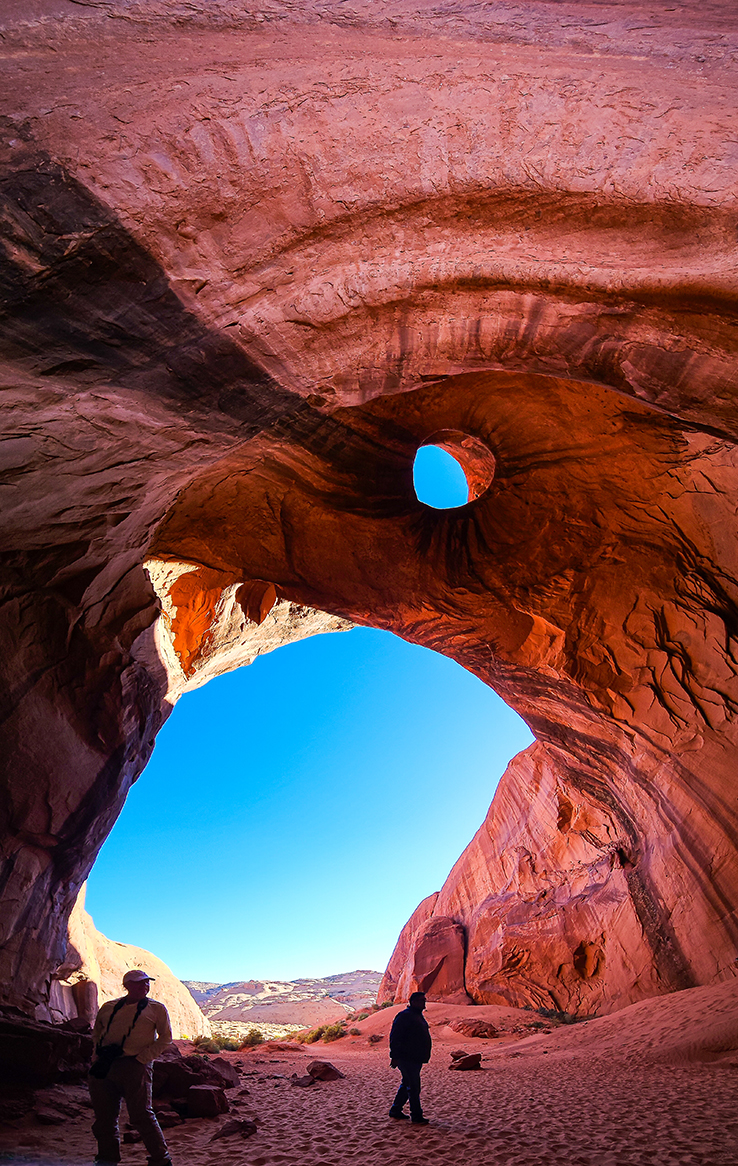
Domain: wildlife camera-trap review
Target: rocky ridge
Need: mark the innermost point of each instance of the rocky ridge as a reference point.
(300, 1003)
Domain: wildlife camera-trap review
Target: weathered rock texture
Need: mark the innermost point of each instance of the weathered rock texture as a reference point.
(93, 970)
(252, 261)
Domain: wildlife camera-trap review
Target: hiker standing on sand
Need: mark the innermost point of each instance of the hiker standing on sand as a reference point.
(128, 1034)
(410, 1049)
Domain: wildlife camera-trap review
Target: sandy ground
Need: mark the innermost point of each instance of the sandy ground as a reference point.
(656, 1083)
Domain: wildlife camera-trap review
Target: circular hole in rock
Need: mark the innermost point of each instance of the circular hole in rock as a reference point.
(452, 468)
(439, 480)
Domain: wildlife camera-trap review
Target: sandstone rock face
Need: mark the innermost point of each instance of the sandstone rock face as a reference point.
(549, 899)
(435, 963)
(93, 971)
(243, 280)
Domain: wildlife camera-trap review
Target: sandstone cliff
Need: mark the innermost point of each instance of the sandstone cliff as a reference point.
(243, 280)
(544, 909)
(94, 967)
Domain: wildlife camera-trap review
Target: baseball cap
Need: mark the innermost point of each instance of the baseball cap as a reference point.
(135, 975)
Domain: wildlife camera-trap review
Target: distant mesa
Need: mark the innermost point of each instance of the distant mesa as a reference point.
(302, 1003)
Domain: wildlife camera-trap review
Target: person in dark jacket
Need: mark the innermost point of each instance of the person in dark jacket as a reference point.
(410, 1049)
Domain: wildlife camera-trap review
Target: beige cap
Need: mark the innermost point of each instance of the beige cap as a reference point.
(134, 976)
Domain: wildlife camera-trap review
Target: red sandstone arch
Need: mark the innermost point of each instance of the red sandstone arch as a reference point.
(244, 278)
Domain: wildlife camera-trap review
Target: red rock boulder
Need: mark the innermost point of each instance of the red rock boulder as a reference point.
(324, 1071)
(206, 1101)
(471, 1061)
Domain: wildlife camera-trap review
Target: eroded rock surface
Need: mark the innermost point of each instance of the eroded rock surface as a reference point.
(93, 970)
(251, 262)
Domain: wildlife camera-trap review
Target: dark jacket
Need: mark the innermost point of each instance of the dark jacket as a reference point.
(410, 1038)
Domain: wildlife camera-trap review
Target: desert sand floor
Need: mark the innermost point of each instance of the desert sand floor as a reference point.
(656, 1083)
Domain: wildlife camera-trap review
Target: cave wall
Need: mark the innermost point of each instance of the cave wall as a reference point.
(250, 261)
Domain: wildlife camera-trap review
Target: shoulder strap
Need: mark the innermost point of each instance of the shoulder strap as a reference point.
(117, 1008)
(139, 1009)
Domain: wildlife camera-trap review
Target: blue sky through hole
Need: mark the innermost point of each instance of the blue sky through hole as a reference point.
(295, 812)
(439, 479)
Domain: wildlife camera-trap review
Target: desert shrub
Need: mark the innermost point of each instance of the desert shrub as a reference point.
(253, 1037)
(309, 1035)
(555, 1017)
(315, 1034)
(333, 1031)
(360, 1016)
(207, 1044)
(374, 1038)
(217, 1044)
(354, 1032)
(387, 1004)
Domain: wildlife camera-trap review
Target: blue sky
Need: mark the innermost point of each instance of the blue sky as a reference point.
(296, 811)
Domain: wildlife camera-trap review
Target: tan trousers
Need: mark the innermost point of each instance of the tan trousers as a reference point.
(129, 1081)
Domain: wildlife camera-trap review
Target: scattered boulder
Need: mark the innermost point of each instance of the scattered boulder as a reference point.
(169, 1119)
(227, 1071)
(170, 1053)
(471, 1061)
(206, 1101)
(474, 1028)
(456, 1053)
(324, 1071)
(303, 1082)
(237, 1125)
(174, 1075)
(130, 1137)
(174, 1078)
(66, 1100)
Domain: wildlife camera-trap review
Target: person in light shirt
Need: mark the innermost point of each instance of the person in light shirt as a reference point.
(128, 1035)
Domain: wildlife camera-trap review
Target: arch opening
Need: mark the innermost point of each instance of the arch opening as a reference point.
(278, 770)
(439, 479)
(452, 468)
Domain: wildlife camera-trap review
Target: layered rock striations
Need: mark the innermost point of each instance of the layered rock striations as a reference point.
(250, 265)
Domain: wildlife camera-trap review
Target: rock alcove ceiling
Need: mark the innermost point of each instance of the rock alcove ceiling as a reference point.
(252, 261)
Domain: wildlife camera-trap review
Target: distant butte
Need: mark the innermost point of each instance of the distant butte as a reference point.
(306, 1002)
(249, 266)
